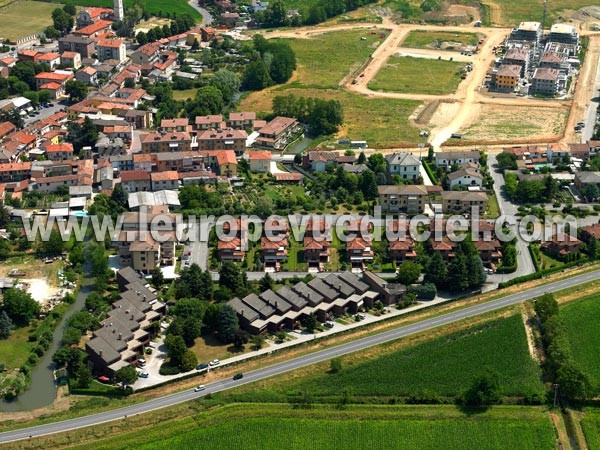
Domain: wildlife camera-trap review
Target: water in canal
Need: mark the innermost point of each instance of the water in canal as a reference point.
(42, 389)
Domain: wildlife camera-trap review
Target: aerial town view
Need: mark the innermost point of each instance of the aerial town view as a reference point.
(296, 224)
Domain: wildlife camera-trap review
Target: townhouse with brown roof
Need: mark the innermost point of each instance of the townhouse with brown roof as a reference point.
(178, 124)
(401, 245)
(545, 81)
(203, 123)
(278, 133)
(59, 152)
(136, 181)
(167, 180)
(242, 120)
(317, 243)
(507, 77)
(233, 248)
(157, 142)
(518, 57)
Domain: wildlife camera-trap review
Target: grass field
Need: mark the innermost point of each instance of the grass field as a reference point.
(444, 365)
(439, 39)
(177, 7)
(591, 428)
(25, 18)
(345, 52)
(418, 76)
(582, 319)
(14, 351)
(269, 426)
(381, 122)
(514, 11)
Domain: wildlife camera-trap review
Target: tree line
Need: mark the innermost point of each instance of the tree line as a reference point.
(321, 116)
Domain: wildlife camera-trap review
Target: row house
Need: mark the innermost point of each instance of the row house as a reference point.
(179, 124)
(167, 180)
(223, 162)
(179, 161)
(317, 243)
(17, 171)
(242, 120)
(234, 248)
(401, 245)
(144, 161)
(274, 245)
(59, 152)
(136, 181)
(459, 158)
(204, 123)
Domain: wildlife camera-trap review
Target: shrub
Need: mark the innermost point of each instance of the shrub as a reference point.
(427, 291)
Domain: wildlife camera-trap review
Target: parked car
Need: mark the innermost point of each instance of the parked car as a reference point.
(214, 362)
(141, 362)
(199, 388)
(238, 376)
(329, 324)
(143, 374)
(202, 366)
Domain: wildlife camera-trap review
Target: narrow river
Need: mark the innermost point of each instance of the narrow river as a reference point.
(42, 390)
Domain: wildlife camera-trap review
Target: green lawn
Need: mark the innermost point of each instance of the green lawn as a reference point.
(14, 351)
(25, 18)
(345, 52)
(156, 7)
(185, 94)
(514, 11)
(582, 319)
(418, 76)
(439, 39)
(493, 210)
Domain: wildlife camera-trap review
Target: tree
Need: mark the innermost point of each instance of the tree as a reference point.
(208, 100)
(335, 365)
(70, 9)
(310, 323)
(227, 82)
(436, 270)
(141, 38)
(458, 275)
(227, 324)
(189, 361)
(573, 383)
(126, 375)
(408, 273)
(76, 90)
(51, 32)
(591, 192)
(191, 330)
(158, 279)
(266, 283)
(19, 306)
(176, 348)
(84, 135)
(546, 307)
(6, 325)
(54, 245)
(256, 76)
(276, 15)
(362, 158)
(484, 391)
(507, 161)
(63, 21)
(476, 271)
(231, 277)
(368, 185)
(84, 377)
(258, 340)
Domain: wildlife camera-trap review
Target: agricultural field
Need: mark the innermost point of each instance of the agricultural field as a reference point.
(511, 12)
(271, 426)
(157, 7)
(25, 18)
(500, 123)
(582, 319)
(380, 121)
(443, 366)
(345, 51)
(439, 40)
(591, 428)
(418, 76)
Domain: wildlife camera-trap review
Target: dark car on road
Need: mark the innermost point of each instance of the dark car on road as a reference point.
(238, 376)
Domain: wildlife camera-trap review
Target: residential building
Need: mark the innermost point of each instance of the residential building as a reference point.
(136, 181)
(405, 165)
(242, 120)
(111, 49)
(95, 29)
(203, 123)
(318, 161)
(448, 159)
(277, 133)
(146, 54)
(52, 59)
(563, 33)
(465, 178)
(260, 161)
(167, 180)
(71, 59)
(507, 77)
(46, 78)
(410, 199)
(553, 60)
(464, 202)
(527, 32)
(83, 45)
(584, 179)
(545, 81)
(166, 142)
(516, 56)
(59, 152)
(562, 246)
(179, 124)
(223, 139)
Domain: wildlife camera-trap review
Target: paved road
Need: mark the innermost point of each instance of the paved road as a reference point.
(296, 363)
(524, 262)
(207, 18)
(591, 116)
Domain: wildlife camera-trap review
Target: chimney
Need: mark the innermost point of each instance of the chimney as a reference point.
(120, 336)
(132, 317)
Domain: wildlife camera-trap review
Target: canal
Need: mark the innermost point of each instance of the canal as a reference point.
(42, 389)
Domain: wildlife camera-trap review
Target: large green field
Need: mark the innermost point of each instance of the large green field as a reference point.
(439, 39)
(270, 426)
(591, 428)
(410, 75)
(441, 366)
(582, 319)
(323, 61)
(25, 18)
(156, 7)
(15, 350)
(515, 11)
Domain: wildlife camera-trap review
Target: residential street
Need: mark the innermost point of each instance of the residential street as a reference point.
(297, 363)
(507, 208)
